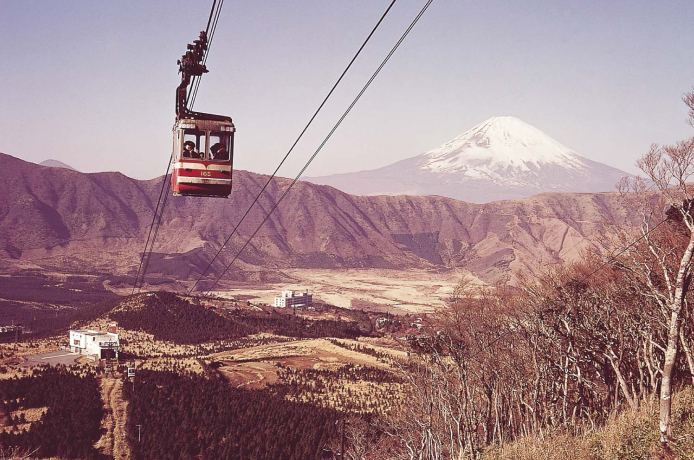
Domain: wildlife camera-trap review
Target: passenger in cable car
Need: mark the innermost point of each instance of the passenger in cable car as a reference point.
(219, 152)
(189, 150)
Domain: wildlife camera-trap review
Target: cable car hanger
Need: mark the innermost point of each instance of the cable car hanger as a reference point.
(191, 65)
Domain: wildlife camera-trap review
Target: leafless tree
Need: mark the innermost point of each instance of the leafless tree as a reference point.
(458, 399)
(666, 270)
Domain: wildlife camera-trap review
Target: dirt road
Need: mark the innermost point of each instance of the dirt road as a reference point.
(113, 442)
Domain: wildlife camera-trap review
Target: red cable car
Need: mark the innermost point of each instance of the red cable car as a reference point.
(203, 157)
(203, 143)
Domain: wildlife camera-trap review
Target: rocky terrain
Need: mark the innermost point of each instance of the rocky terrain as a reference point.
(63, 220)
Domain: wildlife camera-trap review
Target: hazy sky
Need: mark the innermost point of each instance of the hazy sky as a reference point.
(92, 83)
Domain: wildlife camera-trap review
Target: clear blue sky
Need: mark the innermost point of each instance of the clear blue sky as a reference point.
(91, 83)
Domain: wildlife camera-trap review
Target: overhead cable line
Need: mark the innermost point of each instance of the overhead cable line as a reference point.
(151, 227)
(167, 180)
(154, 230)
(294, 144)
(320, 147)
(210, 35)
(209, 20)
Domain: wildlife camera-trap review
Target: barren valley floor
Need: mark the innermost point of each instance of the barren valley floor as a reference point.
(394, 291)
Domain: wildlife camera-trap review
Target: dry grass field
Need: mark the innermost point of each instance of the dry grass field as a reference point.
(631, 435)
(250, 375)
(26, 416)
(394, 291)
(317, 371)
(314, 353)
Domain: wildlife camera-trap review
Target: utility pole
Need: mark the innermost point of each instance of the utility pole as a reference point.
(139, 439)
(342, 441)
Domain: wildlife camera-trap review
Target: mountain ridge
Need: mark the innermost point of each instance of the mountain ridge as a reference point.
(66, 220)
(500, 158)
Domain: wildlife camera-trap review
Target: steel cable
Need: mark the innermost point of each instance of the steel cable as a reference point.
(146, 255)
(210, 36)
(320, 147)
(151, 227)
(320, 107)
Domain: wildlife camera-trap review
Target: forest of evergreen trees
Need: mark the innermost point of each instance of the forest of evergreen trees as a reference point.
(71, 424)
(44, 305)
(172, 318)
(195, 417)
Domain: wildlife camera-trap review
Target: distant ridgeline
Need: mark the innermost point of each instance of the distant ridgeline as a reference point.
(58, 220)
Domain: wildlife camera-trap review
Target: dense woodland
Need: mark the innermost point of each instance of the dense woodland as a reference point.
(172, 318)
(71, 424)
(559, 356)
(44, 305)
(195, 417)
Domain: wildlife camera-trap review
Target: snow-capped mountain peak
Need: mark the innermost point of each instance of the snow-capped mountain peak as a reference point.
(500, 158)
(500, 145)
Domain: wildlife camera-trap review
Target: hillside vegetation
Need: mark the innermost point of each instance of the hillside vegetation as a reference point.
(169, 317)
(632, 435)
(71, 414)
(194, 417)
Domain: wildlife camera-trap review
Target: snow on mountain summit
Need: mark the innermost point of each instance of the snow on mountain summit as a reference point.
(497, 144)
(500, 158)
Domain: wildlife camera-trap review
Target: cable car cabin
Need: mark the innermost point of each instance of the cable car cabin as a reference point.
(203, 157)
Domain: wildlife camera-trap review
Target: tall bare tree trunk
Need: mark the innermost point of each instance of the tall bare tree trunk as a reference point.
(682, 286)
(671, 169)
(666, 384)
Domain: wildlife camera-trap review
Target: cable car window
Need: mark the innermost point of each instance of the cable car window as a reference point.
(220, 145)
(193, 140)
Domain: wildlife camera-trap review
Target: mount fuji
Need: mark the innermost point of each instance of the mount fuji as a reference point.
(500, 158)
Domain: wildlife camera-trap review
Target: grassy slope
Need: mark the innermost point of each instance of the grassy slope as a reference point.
(629, 436)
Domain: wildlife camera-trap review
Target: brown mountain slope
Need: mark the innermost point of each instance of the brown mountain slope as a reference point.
(57, 218)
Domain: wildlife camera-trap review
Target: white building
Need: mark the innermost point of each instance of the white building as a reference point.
(102, 344)
(289, 299)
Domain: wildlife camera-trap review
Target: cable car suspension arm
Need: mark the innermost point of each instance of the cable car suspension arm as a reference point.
(190, 65)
